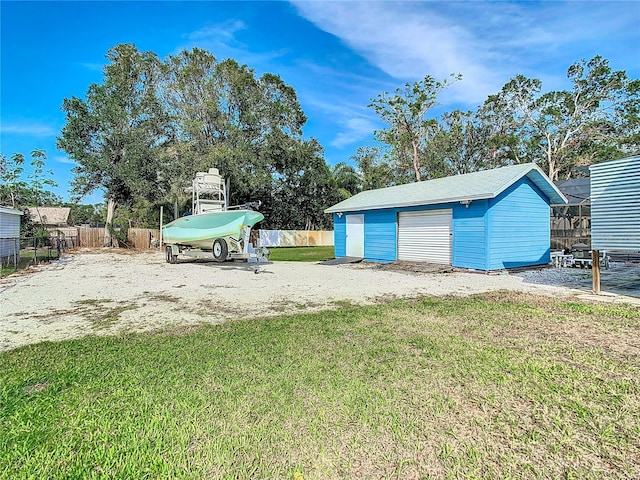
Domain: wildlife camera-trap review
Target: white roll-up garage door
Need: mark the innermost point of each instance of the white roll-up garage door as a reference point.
(425, 236)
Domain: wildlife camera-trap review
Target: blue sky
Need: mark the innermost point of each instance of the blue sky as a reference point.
(337, 55)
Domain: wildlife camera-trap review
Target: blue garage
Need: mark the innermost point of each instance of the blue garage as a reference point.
(487, 220)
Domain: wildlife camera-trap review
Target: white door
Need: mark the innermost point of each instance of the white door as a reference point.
(355, 236)
(425, 236)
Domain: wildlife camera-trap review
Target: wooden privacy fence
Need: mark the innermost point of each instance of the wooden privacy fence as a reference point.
(142, 237)
(295, 238)
(93, 237)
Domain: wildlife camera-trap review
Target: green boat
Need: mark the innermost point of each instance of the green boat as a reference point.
(200, 231)
(214, 228)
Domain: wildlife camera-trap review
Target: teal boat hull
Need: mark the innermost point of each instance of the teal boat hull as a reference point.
(200, 231)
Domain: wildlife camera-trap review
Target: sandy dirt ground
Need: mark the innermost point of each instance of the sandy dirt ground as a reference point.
(110, 293)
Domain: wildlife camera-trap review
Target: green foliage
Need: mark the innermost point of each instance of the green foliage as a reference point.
(409, 132)
(462, 144)
(21, 194)
(145, 131)
(375, 169)
(596, 120)
(250, 129)
(86, 214)
(346, 180)
(12, 187)
(18, 192)
(116, 134)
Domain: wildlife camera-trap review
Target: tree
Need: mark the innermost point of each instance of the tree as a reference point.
(301, 187)
(12, 186)
(462, 144)
(251, 130)
(375, 170)
(22, 194)
(346, 180)
(86, 214)
(409, 131)
(115, 135)
(38, 180)
(560, 129)
(145, 131)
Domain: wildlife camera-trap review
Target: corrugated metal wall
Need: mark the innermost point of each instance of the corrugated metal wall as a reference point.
(9, 231)
(518, 227)
(615, 205)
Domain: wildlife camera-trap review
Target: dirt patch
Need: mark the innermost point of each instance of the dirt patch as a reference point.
(112, 292)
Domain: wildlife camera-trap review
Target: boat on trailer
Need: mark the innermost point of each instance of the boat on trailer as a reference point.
(213, 229)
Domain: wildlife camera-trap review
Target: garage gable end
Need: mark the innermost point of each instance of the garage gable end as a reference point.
(518, 227)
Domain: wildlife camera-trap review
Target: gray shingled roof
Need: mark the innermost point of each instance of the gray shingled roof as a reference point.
(470, 186)
(56, 216)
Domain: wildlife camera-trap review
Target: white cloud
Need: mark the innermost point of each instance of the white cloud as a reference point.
(407, 41)
(487, 42)
(63, 159)
(222, 40)
(355, 130)
(93, 67)
(31, 129)
(226, 30)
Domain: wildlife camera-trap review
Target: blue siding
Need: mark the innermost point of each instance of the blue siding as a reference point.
(339, 235)
(518, 227)
(512, 230)
(469, 248)
(380, 234)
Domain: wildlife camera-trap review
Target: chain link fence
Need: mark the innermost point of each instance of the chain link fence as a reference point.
(17, 253)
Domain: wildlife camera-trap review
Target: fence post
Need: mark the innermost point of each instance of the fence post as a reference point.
(16, 254)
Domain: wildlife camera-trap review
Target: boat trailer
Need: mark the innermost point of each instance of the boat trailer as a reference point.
(222, 250)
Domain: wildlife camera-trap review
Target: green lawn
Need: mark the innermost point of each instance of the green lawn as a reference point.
(26, 259)
(300, 254)
(497, 386)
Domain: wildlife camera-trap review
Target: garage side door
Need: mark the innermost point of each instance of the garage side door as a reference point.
(425, 236)
(355, 236)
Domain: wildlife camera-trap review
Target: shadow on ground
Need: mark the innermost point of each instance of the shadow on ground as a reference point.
(622, 278)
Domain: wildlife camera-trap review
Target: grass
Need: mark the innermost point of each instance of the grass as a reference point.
(26, 259)
(494, 386)
(300, 254)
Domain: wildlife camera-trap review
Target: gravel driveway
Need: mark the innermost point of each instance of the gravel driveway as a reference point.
(108, 293)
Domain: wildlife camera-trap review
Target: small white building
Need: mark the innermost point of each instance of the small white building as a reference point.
(9, 232)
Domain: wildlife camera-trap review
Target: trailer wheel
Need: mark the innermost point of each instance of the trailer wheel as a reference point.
(220, 250)
(171, 258)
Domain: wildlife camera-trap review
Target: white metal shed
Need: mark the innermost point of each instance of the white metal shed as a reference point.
(615, 204)
(9, 231)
